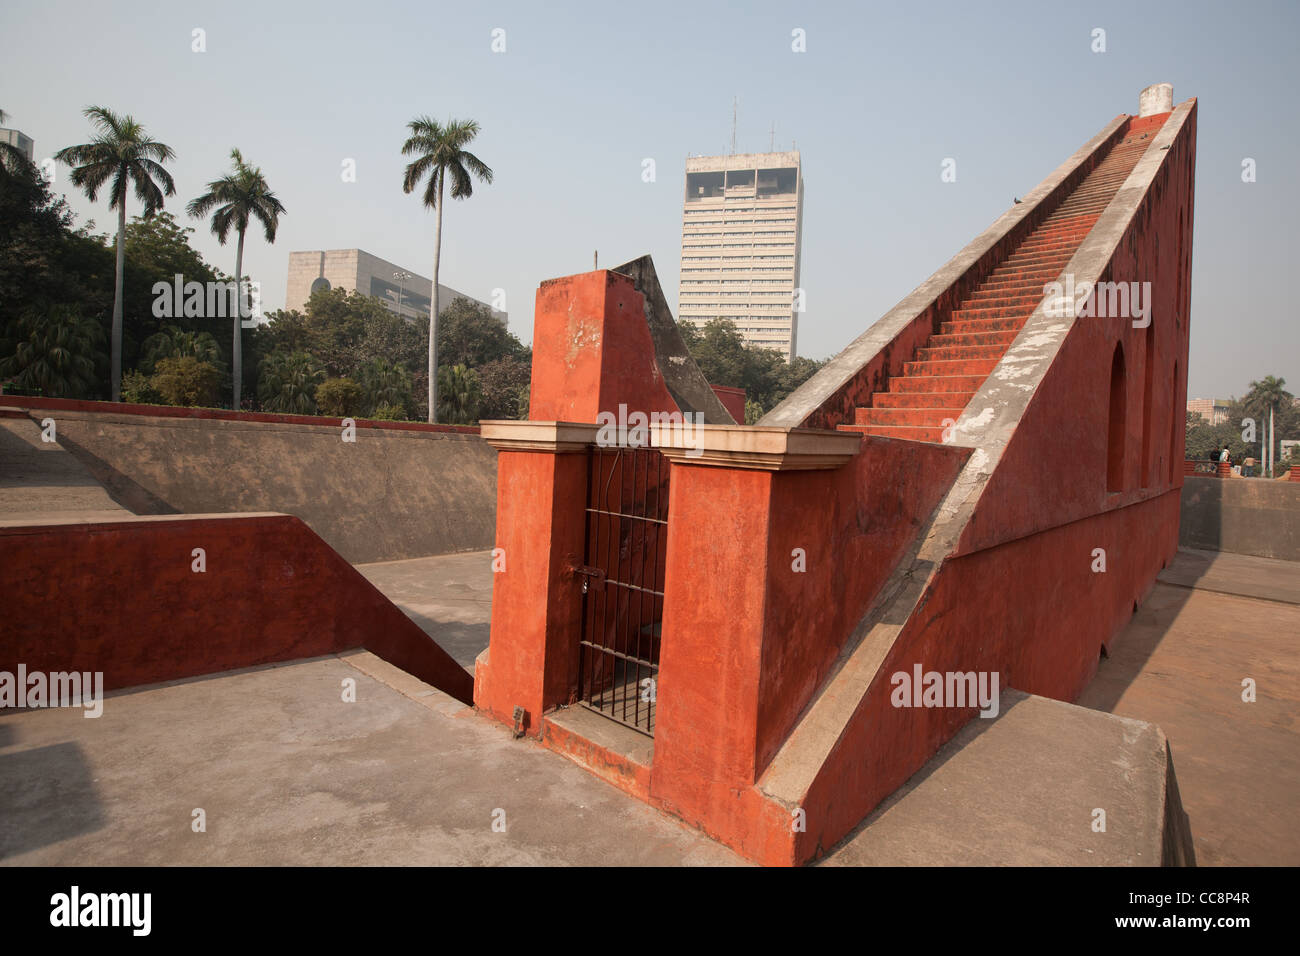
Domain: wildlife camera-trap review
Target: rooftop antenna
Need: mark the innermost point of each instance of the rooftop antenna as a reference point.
(771, 143)
(735, 110)
(595, 260)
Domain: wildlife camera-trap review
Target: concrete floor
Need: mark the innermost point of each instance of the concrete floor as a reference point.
(1180, 664)
(448, 595)
(1021, 789)
(40, 480)
(288, 773)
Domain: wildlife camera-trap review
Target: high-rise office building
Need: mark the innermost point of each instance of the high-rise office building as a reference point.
(742, 219)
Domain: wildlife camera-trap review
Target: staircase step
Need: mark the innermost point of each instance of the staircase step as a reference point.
(922, 399)
(911, 417)
(897, 431)
(957, 382)
(994, 312)
(958, 353)
(992, 299)
(957, 327)
(1030, 259)
(999, 337)
(947, 367)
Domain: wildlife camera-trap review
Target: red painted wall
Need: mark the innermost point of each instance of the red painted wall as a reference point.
(748, 640)
(1043, 635)
(733, 400)
(121, 597)
(592, 350)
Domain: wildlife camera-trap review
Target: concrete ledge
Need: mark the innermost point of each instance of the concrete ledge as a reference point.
(35, 405)
(755, 447)
(1023, 788)
(538, 436)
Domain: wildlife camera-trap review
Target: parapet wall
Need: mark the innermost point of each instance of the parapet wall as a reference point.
(400, 490)
(1248, 516)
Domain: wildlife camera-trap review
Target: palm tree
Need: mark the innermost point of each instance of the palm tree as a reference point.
(385, 383)
(462, 395)
(172, 342)
(53, 355)
(440, 152)
(120, 152)
(288, 382)
(238, 198)
(1267, 395)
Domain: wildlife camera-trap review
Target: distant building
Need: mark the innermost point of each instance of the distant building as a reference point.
(359, 271)
(1213, 410)
(21, 141)
(742, 218)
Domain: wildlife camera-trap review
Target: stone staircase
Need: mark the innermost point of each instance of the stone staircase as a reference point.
(946, 371)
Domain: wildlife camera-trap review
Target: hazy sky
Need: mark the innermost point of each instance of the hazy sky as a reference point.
(585, 92)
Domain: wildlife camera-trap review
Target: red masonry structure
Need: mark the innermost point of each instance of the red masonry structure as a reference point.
(985, 481)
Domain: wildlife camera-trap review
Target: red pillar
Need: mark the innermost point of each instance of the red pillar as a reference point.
(531, 661)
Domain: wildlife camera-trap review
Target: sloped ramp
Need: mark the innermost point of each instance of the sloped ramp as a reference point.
(159, 598)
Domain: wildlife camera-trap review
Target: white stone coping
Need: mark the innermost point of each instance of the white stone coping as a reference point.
(555, 437)
(765, 448)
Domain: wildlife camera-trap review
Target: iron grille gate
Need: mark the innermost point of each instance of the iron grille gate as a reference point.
(623, 591)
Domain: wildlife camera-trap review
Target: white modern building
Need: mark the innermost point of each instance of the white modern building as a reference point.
(20, 141)
(742, 220)
(402, 290)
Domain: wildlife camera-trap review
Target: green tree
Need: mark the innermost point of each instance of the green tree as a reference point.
(44, 261)
(1262, 402)
(157, 250)
(389, 413)
(724, 358)
(384, 383)
(52, 355)
(339, 398)
(284, 331)
(440, 152)
(288, 381)
(460, 394)
(337, 324)
(235, 200)
(468, 334)
(172, 342)
(185, 380)
(137, 387)
(122, 153)
(505, 383)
